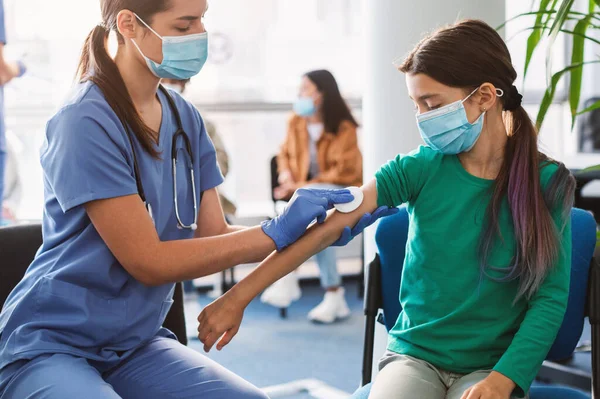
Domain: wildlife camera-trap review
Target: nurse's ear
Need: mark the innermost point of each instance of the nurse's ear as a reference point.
(127, 25)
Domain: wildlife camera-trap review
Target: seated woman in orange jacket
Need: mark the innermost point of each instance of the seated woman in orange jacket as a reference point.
(320, 150)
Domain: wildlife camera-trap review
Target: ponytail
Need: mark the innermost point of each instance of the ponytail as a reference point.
(532, 207)
(97, 66)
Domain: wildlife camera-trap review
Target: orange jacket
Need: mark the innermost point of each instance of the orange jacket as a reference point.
(338, 156)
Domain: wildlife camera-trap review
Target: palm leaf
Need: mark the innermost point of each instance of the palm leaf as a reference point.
(591, 169)
(557, 25)
(534, 38)
(592, 107)
(524, 14)
(551, 90)
(573, 16)
(582, 35)
(569, 32)
(577, 55)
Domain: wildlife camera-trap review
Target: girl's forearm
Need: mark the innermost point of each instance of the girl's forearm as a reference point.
(317, 238)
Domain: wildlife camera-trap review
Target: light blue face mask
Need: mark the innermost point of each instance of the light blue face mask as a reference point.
(183, 56)
(448, 130)
(305, 106)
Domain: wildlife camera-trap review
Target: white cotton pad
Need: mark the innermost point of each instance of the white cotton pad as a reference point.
(351, 206)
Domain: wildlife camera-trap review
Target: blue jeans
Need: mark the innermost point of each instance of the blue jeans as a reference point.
(162, 368)
(326, 259)
(330, 277)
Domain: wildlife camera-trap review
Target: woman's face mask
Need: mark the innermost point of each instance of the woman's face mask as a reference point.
(183, 56)
(448, 130)
(309, 99)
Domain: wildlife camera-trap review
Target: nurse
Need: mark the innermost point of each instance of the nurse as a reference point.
(131, 207)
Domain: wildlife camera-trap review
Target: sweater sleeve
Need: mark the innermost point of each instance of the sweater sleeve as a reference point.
(347, 165)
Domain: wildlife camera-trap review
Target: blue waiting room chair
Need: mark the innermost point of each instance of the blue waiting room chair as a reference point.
(383, 285)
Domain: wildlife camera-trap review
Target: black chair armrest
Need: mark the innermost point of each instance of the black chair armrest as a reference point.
(274, 177)
(175, 321)
(589, 203)
(372, 304)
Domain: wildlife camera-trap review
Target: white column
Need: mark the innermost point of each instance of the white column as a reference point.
(392, 28)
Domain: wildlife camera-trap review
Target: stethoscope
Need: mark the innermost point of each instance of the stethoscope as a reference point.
(188, 147)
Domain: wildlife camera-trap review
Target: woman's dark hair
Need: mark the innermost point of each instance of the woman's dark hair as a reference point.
(334, 109)
(467, 55)
(97, 66)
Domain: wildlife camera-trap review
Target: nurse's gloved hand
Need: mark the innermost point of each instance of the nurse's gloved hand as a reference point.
(365, 221)
(305, 206)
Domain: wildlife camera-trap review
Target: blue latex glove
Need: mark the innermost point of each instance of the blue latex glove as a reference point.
(365, 221)
(305, 206)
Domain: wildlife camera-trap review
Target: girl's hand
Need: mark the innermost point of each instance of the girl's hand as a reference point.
(220, 321)
(495, 386)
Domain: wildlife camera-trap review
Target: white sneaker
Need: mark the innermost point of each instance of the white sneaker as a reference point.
(332, 308)
(283, 292)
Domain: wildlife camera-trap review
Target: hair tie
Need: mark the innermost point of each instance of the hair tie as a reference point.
(513, 99)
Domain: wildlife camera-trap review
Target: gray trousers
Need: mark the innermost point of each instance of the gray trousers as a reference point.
(405, 377)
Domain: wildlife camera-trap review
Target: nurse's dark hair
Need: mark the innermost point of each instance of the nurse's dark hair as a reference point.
(97, 65)
(466, 55)
(334, 109)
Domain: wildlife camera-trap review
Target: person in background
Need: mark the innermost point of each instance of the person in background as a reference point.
(8, 71)
(320, 150)
(229, 208)
(13, 186)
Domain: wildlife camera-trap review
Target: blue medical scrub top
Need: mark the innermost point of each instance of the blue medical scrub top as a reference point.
(75, 297)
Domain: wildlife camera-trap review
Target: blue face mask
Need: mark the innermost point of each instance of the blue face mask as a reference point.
(305, 106)
(183, 56)
(448, 130)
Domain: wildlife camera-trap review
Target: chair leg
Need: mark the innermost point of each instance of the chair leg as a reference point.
(367, 369)
(224, 285)
(595, 361)
(361, 283)
(594, 316)
(283, 313)
(371, 308)
(232, 276)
